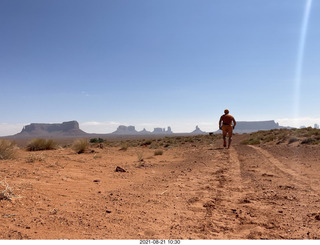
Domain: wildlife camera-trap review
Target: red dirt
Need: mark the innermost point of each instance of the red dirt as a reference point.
(194, 191)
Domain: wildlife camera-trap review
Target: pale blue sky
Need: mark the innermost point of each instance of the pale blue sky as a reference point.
(152, 63)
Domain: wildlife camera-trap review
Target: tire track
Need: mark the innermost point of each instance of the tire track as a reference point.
(287, 171)
(283, 204)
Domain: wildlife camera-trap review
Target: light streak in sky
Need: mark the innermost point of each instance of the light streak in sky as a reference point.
(299, 64)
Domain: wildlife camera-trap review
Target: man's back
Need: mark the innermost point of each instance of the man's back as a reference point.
(227, 119)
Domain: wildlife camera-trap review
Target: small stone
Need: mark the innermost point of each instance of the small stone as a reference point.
(119, 169)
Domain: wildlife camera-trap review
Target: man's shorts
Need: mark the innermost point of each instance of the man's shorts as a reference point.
(227, 129)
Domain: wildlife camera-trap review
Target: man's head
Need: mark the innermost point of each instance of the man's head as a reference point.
(226, 111)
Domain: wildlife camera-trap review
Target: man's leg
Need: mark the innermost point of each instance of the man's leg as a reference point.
(229, 143)
(224, 136)
(230, 137)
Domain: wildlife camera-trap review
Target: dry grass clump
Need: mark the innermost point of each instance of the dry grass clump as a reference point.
(6, 192)
(293, 139)
(251, 141)
(41, 144)
(139, 156)
(7, 149)
(311, 141)
(158, 153)
(124, 146)
(35, 158)
(97, 140)
(80, 145)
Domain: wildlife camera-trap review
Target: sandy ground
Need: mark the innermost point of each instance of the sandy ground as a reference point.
(194, 191)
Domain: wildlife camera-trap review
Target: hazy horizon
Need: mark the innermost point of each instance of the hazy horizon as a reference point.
(182, 127)
(175, 63)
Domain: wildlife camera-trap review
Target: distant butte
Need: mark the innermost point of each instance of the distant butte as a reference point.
(71, 130)
(65, 129)
(131, 130)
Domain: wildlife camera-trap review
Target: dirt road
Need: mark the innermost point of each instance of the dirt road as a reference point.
(194, 191)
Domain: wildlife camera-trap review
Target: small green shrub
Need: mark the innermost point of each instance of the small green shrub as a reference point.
(158, 152)
(269, 138)
(7, 149)
(146, 143)
(80, 145)
(292, 140)
(41, 144)
(97, 140)
(251, 141)
(310, 141)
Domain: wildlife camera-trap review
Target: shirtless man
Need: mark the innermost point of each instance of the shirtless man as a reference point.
(227, 124)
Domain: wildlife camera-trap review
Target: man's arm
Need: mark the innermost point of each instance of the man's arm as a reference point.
(220, 122)
(234, 122)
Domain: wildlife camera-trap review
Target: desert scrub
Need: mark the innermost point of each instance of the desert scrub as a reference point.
(35, 158)
(97, 140)
(251, 141)
(41, 144)
(6, 192)
(265, 136)
(292, 140)
(139, 156)
(80, 145)
(7, 149)
(311, 141)
(124, 146)
(146, 143)
(158, 152)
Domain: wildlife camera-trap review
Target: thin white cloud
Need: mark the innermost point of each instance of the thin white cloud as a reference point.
(94, 123)
(7, 129)
(99, 127)
(298, 122)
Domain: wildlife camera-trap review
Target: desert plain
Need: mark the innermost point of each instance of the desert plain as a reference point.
(266, 186)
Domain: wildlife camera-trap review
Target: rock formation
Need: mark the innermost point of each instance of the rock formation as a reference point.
(125, 130)
(130, 130)
(253, 126)
(198, 131)
(162, 131)
(65, 129)
(71, 129)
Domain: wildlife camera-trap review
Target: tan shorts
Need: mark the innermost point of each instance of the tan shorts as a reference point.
(227, 129)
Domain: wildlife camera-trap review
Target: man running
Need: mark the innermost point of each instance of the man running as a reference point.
(227, 124)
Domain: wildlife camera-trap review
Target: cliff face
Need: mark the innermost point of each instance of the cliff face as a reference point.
(125, 130)
(254, 126)
(162, 131)
(249, 127)
(258, 125)
(65, 129)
